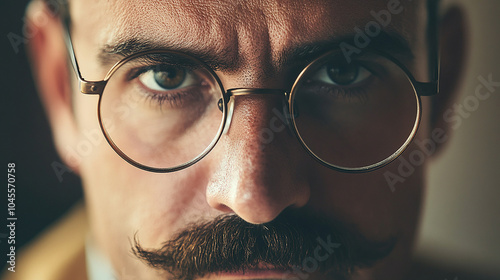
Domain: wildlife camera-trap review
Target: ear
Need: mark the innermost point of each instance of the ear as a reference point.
(48, 55)
(453, 44)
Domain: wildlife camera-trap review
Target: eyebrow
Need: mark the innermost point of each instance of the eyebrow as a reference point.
(386, 41)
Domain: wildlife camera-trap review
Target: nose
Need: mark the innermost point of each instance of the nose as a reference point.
(258, 162)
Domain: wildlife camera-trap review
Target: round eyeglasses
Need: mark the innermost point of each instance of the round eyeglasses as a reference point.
(163, 111)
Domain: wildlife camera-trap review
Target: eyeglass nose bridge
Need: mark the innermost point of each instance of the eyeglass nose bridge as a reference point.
(285, 111)
(250, 91)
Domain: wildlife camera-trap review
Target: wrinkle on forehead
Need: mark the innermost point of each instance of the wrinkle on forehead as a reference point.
(253, 33)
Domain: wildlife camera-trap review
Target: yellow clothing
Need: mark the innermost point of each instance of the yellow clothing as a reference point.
(58, 254)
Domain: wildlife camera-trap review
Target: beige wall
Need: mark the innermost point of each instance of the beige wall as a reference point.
(461, 223)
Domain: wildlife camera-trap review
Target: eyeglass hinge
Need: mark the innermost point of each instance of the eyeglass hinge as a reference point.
(92, 87)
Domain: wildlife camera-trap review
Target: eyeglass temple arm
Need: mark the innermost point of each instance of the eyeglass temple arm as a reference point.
(86, 87)
(432, 87)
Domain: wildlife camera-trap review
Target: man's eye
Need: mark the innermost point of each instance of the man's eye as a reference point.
(342, 74)
(166, 78)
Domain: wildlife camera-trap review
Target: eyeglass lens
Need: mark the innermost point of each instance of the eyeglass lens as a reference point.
(354, 114)
(161, 110)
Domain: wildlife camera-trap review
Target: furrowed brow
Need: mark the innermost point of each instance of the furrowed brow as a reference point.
(112, 53)
(388, 42)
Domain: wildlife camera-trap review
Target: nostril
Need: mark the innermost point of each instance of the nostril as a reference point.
(254, 184)
(224, 208)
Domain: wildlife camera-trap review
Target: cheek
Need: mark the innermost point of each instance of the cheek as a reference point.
(370, 201)
(123, 200)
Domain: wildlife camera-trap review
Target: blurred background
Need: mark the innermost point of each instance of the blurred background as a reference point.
(41, 197)
(461, 219)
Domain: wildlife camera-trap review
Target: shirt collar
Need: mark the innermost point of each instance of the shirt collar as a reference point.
(98, 266)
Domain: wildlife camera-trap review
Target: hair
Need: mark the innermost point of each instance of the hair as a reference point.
(230, 244)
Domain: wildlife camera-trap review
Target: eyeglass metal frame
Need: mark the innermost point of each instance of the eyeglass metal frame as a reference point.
(420, 89)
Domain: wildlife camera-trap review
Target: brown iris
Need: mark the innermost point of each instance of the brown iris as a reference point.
(170, 77)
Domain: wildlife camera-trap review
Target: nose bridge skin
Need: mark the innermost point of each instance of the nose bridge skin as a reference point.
(258, 161)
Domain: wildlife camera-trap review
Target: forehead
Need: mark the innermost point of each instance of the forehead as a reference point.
(199, 21)
(252, 32)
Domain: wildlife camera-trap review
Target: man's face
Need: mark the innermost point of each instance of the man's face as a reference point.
(238, 181)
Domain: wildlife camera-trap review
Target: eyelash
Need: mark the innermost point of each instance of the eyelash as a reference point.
(354, 94)
(136, 72)
(175, 98)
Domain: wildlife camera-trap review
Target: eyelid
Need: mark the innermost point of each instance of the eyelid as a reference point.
(321, 74)
(188, 78)
(136, 71)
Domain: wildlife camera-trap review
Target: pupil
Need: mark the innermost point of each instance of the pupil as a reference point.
(169, 78)
(344, 74)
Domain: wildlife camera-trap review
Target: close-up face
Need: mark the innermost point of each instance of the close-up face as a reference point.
(186, 178)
